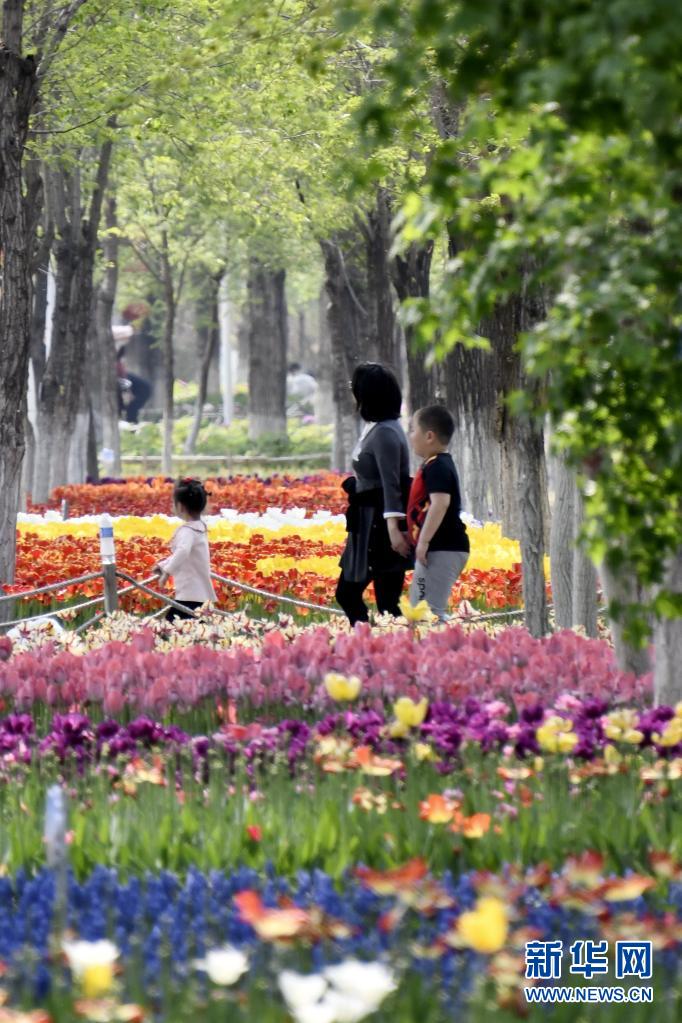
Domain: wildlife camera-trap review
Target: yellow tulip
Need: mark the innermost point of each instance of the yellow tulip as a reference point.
(410, 713)
(97, 979)
(398, 730)
(421, 612)
(423, 751)
(556, 735)
(612, 756)
(485, 927)
(340, 687)
(671, 734)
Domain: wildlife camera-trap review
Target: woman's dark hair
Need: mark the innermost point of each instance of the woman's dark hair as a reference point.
(438, 420)
(191, 494)
(377, 392)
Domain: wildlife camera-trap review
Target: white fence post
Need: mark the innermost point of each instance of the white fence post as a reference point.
(107, 550)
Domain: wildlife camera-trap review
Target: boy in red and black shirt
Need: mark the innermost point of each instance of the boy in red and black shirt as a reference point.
(434, 526)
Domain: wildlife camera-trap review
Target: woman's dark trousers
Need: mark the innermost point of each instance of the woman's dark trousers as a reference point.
(387, 586)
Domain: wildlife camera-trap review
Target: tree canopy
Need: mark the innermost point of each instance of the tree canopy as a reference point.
(560, 169)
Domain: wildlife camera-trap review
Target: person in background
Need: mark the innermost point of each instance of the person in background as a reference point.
(189, 563)
(301, 390)
(376, 549)
(133, 391)
(434, 526)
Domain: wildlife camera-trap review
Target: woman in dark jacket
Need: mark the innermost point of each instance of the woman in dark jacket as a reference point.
(376, 550)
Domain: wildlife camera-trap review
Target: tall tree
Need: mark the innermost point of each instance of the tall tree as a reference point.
(107, 389)
(268, 330)
(207, 307)
(345, 284)
(63, 416)
(20, 80)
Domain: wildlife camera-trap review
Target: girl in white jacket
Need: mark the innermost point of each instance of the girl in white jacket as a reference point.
(189, 563)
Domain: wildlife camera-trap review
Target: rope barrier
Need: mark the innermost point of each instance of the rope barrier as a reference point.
(91, 621)
(53, 586)
(275, 596)
(54, 611)
(155, 593)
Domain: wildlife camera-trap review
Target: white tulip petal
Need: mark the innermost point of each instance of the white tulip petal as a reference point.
(224, 966)
(315, 1012)
(83, 954)
(301, 989)
(368, 982)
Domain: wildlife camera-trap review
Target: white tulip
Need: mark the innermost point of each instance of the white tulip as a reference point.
(84, 954)
(349, 1008)
(314, 1012)
(301, 989)
(370, 983)
(224, 966)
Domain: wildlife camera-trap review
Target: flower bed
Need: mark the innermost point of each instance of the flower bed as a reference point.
(282, 552)
(154, 495)
(397, 946)
(443, 664)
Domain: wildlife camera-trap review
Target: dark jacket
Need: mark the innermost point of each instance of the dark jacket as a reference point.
(381, 483)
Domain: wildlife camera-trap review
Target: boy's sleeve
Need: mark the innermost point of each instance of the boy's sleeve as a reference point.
(183, 546)
(387, 452)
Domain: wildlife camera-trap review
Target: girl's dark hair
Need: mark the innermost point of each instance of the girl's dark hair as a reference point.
(191, 494)
(377, 392)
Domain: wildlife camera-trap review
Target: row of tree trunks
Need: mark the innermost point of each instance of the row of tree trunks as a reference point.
(268, 329)
(18, 92)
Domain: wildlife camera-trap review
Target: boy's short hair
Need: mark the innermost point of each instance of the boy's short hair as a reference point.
(438, 420)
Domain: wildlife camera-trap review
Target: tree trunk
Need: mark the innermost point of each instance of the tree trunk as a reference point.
(524, 473)
(168, 375)
(376, 228)
(621, 590)
(27, 468)
(584, 577)
(18, 90)
(410, 273)
(208, 332)
(267, 351)
(105, 345)
(226, 363)
(37, 363)
(562, 542)
(63, 415)
(668, 642)
(530, 494)
(347, 319)
(53, 438)
(324, 402)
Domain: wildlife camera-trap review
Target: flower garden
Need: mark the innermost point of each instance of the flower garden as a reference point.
(276, 818)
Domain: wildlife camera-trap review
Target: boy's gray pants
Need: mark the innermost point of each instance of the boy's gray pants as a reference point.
(433, 582)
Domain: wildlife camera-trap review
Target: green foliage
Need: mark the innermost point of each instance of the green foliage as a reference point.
(215, 439)
(564, 175)
(150, 828)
